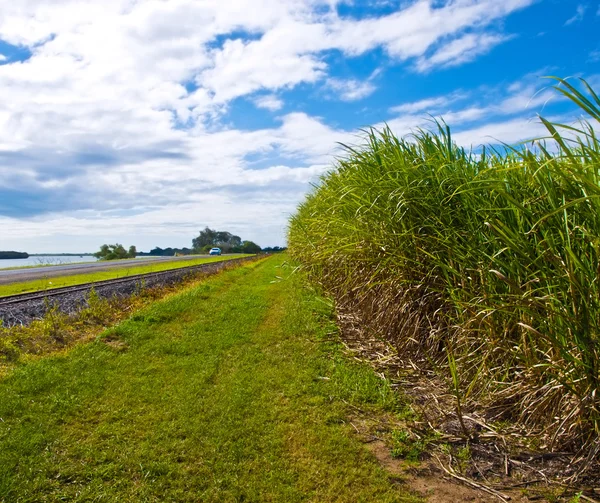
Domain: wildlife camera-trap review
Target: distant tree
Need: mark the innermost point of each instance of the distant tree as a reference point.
(13, 254)
(167, 252)
(206, 237)
(227, 240)
(112, 252)
(132, 253)
(274, 249)
(250, 247)
(210, 238)
(104, 251)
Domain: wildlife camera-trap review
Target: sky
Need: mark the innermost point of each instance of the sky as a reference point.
(143, 121)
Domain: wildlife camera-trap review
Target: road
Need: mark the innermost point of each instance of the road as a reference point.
(31, 274)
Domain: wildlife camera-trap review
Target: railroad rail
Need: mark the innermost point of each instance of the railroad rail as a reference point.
(21, 309)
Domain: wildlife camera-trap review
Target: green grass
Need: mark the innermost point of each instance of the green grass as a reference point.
(213, 395)
(483, 265)
(127, 269)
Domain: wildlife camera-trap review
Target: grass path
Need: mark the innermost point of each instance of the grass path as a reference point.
(216, 394)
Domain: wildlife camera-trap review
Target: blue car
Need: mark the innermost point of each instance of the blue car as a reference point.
(215, 251)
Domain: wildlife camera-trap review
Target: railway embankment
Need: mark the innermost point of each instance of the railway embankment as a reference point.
(22, 309)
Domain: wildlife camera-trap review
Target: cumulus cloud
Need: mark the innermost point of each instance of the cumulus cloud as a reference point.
(270, 102)
(351, 89)
(121, 106)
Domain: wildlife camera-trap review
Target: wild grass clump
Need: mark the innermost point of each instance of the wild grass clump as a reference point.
(57, 330)
(482, 265)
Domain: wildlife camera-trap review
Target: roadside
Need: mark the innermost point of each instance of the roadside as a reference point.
(31, 280)
(235, 390)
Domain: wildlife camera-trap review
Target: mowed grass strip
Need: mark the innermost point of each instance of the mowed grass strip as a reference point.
(48, 283)
(230, 391)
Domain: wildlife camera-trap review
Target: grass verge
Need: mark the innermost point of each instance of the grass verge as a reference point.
(48, 283)
(58, 331)
(233, 390)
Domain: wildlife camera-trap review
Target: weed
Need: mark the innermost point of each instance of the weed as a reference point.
(406, 445)
(53, 325)
(463, 456)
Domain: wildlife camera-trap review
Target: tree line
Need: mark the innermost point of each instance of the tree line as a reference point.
(229, 243)
(115, 252)
(13, 254)
(206, 239)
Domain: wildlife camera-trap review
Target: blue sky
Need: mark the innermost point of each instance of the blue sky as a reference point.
(142, 122)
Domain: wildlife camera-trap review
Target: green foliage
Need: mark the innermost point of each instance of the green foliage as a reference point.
(250, 247)
(485, 262)
(209, 238)
(168, 252)
(228, 243)
(407, 446)
(9, 351)
(274, 249)
(115, 252)
(98, 309)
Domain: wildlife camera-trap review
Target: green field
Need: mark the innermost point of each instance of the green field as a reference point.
(230, 391)
(122, 272)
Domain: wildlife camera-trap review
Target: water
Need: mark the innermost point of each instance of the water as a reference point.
(46, 260)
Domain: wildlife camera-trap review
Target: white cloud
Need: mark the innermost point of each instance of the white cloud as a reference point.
(120, 106)
(460, 51)
(578, 16)
(241, 68)
(289, 53)
(486, 115)
(508, 131)
(428, 105)
(351, 89)
(270, 102)
(304, 136)
(526, 96)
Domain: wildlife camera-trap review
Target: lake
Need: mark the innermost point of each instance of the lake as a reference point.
(46, 260)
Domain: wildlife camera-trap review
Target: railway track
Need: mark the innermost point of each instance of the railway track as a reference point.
(23, 308)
